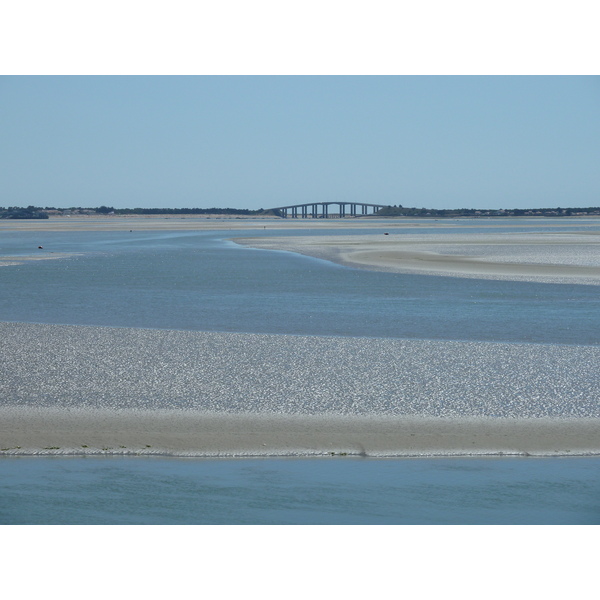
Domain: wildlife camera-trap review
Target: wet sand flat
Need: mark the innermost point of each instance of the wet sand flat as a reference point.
(183, 223)
(224, 222)
(26, 431)
(552, 257)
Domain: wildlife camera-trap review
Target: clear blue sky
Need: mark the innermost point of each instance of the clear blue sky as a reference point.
(264, 141)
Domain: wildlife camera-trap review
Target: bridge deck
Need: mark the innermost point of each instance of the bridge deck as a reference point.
(311, 210)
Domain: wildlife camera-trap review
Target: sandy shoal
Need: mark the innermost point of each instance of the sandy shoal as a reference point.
(80, 431)
(187, 223)
(227, 222)
(552, 257)
(6, 261)
(80, 390)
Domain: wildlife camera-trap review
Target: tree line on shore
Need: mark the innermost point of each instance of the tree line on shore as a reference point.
(400, 211)
(17, 212)
(37, 212)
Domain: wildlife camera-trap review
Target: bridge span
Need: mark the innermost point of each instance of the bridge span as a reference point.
(311, 210)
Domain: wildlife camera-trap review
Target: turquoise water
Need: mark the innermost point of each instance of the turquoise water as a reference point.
(200, 281)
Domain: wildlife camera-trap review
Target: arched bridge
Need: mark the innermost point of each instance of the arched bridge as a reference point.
(311, 210)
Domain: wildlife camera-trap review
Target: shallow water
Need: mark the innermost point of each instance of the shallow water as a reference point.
(298, 491)
(200, 281)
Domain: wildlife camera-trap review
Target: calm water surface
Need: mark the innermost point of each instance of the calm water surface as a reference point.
(298, 491)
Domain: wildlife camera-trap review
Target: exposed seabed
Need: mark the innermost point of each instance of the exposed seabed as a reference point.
(136, 391)
(54, 431)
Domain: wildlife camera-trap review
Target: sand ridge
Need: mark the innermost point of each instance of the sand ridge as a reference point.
(552, 257)
(81, 389)
(224, 222)
(53, 431)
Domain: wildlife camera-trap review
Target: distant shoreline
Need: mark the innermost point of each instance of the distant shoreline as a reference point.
(168, 222)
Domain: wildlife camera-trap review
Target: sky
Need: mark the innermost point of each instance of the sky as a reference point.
(267, 141)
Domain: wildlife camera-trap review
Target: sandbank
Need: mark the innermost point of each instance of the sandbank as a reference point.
(70, 389)
(44, 431)
(6, 261)
(226, 222)
(551, 257)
